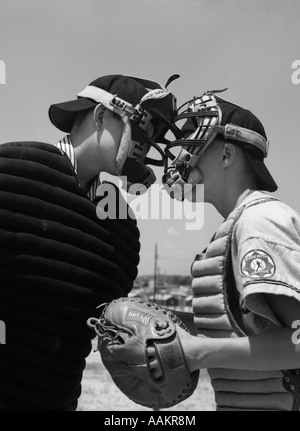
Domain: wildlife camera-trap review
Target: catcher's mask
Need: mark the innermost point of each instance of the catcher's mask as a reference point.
(145, 124)
(203, 123)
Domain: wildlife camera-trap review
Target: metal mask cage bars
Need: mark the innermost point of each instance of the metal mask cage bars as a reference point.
(185, 143)
(195, 146)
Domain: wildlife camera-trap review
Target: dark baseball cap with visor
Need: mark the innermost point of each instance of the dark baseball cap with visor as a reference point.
(63, 115)
(255, 145)
(149, 107)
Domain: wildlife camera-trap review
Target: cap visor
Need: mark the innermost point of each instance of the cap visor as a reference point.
(63, 115)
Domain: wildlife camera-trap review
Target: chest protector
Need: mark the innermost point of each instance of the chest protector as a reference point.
(58, 261)
(217, 314)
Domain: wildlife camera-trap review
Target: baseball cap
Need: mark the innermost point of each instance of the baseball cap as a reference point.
(63, 115)
(233, 114)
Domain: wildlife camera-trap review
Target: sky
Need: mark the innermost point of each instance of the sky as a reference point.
(52, 49)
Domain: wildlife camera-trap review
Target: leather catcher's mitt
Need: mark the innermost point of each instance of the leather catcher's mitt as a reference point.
(125, 329)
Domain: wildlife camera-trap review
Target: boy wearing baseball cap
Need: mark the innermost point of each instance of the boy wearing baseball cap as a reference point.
(246, 283)
(59, 261)
(111, 126)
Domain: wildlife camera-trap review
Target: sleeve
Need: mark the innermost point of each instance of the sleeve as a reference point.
(267, 261)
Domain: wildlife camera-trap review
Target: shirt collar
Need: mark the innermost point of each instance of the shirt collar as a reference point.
(65, 144)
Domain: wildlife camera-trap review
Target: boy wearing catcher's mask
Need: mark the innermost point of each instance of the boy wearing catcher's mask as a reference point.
(111, 126)
(246, 283)
(58, 260)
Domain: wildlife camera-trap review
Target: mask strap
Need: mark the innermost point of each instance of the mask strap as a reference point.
(124, 145)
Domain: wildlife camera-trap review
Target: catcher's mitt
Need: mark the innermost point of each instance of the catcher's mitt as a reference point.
(125, 329)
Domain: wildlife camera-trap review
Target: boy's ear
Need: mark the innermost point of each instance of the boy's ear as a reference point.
(228, 155)
(98, 115)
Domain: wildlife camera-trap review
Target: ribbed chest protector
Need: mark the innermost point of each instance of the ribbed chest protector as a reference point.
(58, 261)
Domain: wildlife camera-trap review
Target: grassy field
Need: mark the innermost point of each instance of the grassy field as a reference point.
(99, 393)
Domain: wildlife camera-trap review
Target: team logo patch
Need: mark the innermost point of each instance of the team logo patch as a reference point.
(143, 318)
(257, 264)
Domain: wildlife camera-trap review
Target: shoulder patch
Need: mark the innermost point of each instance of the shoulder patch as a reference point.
(257, 264)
